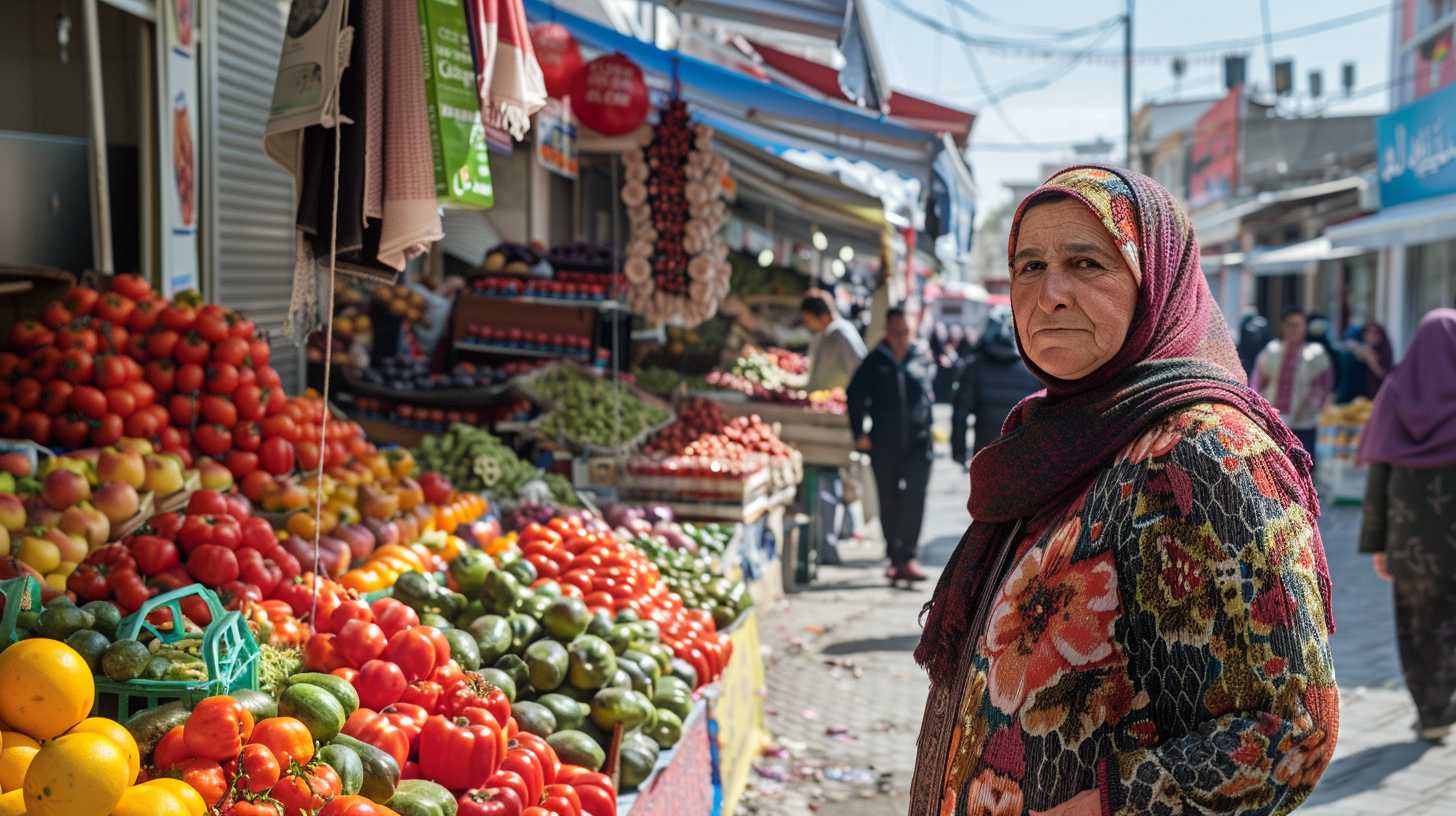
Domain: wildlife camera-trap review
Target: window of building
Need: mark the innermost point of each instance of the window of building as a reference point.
(1430, 278)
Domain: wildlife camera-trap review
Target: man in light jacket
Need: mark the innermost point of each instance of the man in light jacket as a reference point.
(837, 349)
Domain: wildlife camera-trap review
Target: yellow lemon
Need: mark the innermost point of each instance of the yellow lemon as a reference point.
(76, 775)
(15, 739)
(45, 687)
(13, 803)
(117, 733)
(14, 762)
(191, 800)
(149, 800)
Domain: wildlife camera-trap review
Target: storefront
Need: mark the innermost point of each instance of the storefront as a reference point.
(1415, 228)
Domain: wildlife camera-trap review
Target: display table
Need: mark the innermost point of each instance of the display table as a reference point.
(822, 437)
(736, 707)
(683, 780)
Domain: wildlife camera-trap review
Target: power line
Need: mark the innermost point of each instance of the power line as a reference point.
(1053, 33)
(1056, 73)
(992, 98)
(1039, 49)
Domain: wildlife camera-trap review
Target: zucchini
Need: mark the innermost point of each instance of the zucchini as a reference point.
(346, 764)
(148, 727)
(420, 797)
(381, 772)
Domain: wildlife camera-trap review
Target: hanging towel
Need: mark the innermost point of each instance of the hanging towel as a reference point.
(374, 109)
(411, 221)
(316, 204)
(507, 74)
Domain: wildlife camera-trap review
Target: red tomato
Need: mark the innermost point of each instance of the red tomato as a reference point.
(9, 419)
(56, 397)
(192, 349)
(121, 401)
(213, 565)
(240, 463)
(304, 791)
(142, 425)
(88, 401)
(108, 430)
(211, 326)
(256, 768)
(280, 425)
(349, 610)
(319, 653)
(361, 641)
(113, 308)
(221, 530)
(171, 750)
(259, 354)
(232, 350)
(132, 286)
(207, 503)
(144, 316)
(222, 378)
(380, 683)
(206, 777)
(249, 402)
(415, 652)
(80, 300)
(267, 376)
(70, 430)
(77, 366)
(142, 393)
(276, 456)
(178, 317)
(219, 411)
(162, 375)
(218, 728)
(190, 378)
(182, 410)
(394, 616)
(213, 439)
(288, 739)
(55, 314)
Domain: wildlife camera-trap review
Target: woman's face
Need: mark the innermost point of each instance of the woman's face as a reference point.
(1373, 335)
(1072, 293)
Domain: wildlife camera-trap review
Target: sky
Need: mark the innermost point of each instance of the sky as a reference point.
(1086, 101)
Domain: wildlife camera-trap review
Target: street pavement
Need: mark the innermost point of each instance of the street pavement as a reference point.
(844, 695)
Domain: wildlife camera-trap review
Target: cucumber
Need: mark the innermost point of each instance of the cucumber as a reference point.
(315, 708)
(346, 764)
(421, 797)
(148, 727)
(260, 705)
(337, 687)
(381, 772)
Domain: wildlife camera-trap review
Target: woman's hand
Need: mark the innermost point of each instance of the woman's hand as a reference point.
(1086, 803)
(1382, 568)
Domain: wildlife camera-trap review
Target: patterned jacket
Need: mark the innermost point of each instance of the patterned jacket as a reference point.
(1161, 642)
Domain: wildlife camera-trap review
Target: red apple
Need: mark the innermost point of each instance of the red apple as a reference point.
(72, 547)
(86, 522)
(15, 463)
(64, 488)
(215, 475)
(118, 501)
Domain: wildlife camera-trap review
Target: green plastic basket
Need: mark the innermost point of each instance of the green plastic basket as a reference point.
(21, 595)
(228, 650)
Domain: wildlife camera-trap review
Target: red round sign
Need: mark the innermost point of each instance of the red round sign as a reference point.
(610, 95)
(559, 56)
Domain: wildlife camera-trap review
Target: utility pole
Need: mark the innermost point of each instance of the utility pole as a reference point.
(1127, 81)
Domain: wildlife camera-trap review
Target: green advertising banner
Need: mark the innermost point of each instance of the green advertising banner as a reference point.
(462, 159)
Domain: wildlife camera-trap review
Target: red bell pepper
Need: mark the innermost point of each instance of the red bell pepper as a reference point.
(536, 810)
(561, 800)
(550, 763)
(512, 781)
(458, 754)
(490, 802)
(477, 692)
(598, 796)
(527, 765)
(408, 718)
(426, 694)
(375, 728)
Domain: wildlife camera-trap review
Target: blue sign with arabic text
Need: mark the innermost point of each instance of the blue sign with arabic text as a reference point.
(1417, 149)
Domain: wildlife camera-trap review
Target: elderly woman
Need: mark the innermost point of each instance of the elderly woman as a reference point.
(1410, 513)
(1137, 620)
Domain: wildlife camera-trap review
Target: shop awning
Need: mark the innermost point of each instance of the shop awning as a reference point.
(1298, 257)
(1418, 222)
(777, 182)
(904, 108)
(843, 22)
(794, 119)
(1222, 225)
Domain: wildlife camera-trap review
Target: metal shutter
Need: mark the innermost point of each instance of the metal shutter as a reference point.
(250, 254)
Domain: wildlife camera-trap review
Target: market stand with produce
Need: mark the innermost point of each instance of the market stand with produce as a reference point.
(208, 609)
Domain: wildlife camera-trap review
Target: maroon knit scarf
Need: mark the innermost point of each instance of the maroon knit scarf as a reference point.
(1178, 353)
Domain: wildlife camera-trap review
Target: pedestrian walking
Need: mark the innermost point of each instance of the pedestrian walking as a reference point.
(1137, 619)
(1297, 376)
(1410, 514)
(1253, 337)
(991, 382)
(836, 350)
(892, 388)
(1369, 358)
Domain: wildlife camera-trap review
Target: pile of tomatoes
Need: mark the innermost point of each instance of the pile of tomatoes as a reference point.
(216, 542)
(582, 555)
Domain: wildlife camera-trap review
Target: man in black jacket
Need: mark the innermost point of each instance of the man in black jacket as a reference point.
(990, 384)
(893, 385)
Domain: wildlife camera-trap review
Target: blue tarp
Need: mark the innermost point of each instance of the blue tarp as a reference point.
(793, 118)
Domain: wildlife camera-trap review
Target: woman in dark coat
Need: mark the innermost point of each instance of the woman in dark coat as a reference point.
(990, 384)
(1410, 514)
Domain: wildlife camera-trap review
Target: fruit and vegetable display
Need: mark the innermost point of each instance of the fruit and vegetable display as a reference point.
(589, 411)
(726, 459)
(400, 374)
(776, 375)
(475, 460)
(751, 278)
(509, 287)
(566, 345)
(512, 259)
(676, 268)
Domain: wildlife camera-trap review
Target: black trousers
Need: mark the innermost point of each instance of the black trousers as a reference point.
(901, 478)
